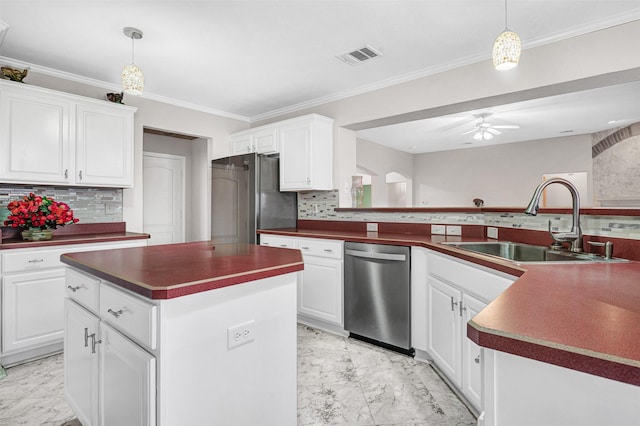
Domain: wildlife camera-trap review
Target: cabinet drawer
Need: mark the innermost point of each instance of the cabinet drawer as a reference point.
(277, 241)
(474, 280)
(84, 289)
(129, 314)
(321, 248)
(30, 260)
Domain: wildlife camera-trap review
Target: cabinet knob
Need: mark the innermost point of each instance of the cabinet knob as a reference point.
(74, 289)
(477, 359)
(115, 313)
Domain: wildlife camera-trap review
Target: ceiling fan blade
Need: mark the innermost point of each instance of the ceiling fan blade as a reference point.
(470, 131)
(506, 126)
(494, 131)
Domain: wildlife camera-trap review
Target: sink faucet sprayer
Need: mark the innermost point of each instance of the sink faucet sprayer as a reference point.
(575, 236)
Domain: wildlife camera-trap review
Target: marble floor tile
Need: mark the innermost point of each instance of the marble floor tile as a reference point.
(341, 381)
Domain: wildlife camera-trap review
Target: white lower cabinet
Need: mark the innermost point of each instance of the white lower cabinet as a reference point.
(109, 379)
(320, 285)
(32, 292)
(452, 292)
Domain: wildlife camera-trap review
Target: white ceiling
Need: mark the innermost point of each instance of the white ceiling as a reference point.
(255, 59)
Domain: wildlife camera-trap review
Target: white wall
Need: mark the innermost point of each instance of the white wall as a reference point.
(502, 175)
(380, 160)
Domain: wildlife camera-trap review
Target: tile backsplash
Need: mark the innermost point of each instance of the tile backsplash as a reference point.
(320, 205)
(90, 205)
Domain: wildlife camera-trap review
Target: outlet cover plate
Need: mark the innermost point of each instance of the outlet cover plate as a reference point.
(240, 334)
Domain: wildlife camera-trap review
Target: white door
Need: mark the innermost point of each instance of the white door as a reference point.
(32, 309)
(320, 289)
(472, 361)
(164, 194)
(127, 381)
(444, 328)
(80, 362)
(295, 157)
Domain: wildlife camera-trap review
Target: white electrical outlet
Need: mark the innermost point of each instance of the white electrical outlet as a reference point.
(240, 334)
(372, 227)
(492, 232)
(437, 229)
(454, 230)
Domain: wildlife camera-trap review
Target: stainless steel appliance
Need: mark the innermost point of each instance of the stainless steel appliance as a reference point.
(377, 298)
(246, 197)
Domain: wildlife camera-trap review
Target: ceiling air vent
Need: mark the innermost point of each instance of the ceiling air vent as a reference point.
(359, 56)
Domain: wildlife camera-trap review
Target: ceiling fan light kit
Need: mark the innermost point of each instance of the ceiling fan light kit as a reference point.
(132, 77)
(507, 47)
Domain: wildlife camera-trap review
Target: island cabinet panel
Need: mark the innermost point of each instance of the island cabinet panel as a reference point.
(198, 371)
(51, 137)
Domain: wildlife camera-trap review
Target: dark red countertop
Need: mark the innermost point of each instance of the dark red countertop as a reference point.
(585, 317)
(174, 270)
(80, 233)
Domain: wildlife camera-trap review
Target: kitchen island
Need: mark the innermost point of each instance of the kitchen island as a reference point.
(182, 334)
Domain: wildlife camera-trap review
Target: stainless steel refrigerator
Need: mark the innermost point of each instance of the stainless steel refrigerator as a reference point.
(246, 197)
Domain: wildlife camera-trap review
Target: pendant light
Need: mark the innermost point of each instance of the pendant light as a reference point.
(132, 77)
(507, 47)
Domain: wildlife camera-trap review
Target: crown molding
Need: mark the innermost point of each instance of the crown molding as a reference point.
(620, 19)
(116, 88)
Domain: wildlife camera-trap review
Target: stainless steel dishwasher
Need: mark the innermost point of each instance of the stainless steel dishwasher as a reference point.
(377, 297)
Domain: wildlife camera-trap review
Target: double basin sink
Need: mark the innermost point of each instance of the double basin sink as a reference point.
(527, 253)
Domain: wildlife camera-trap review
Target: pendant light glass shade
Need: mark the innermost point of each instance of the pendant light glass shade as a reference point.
(506, 50)
(132, 77)
(507, 47)
(132, 80)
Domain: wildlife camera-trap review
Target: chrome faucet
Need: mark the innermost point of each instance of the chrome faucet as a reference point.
(575, 236)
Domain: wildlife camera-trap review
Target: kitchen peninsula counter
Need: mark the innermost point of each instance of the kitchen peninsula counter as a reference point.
(580, 316)
(174, 270)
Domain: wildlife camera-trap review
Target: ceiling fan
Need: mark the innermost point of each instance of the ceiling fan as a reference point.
(486, 131)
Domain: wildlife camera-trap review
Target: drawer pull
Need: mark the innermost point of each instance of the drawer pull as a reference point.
(115, 313)
(36, 261)
(328, 250)
(73, 289)
(304, 248)
(283, 245)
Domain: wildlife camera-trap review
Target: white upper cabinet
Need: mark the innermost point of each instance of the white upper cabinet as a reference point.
(263, 140)
(104, 146)
(306, 154)
(55, 138)
(305, 145)
(34, 137)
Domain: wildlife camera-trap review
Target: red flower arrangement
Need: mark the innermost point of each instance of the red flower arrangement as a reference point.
(38, 212)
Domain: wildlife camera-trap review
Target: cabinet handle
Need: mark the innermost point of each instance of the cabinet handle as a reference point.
(264, 243)
(248, 148)
(308, 181)
(477, 359)
(328, 250)
(94, 342)
(462, 308)
(453, 304)
(74, 289)
(283, 245)
(36, 261)
(66, 174)
(115, 313)
(304, 248)
(80, 175)
(86, 337)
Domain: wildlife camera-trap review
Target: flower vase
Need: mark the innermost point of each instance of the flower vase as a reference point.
(357, 191)
(37, 234)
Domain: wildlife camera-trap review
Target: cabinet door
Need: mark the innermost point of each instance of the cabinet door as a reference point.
(34, 138)
(32, 309)
(295, 157)
(320, 289)
(127, 381)
(104, 146)
(241, 144)
(266, 141)
(472, 361)
(444, 328)
(81, 363)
